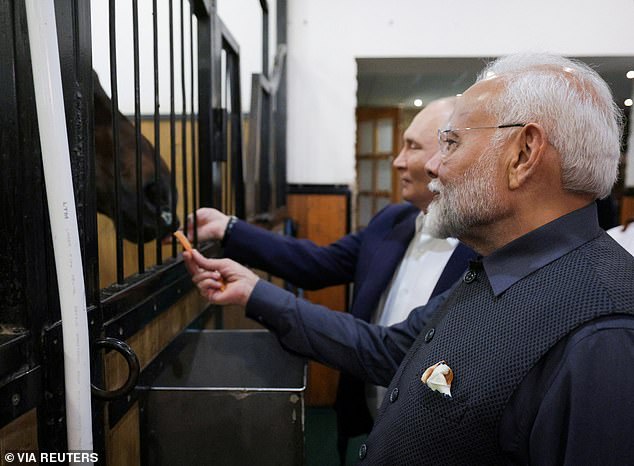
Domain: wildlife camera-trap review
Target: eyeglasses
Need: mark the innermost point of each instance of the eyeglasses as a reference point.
(448, 145)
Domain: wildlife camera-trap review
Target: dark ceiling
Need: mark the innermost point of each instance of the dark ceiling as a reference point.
(389, 82)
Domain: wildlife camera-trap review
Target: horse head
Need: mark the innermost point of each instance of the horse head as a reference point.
(157, 195)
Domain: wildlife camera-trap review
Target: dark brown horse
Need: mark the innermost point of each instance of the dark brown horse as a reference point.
(157, 196)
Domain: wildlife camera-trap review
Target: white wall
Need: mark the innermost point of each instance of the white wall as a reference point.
(242, 17)
(325, 37)
(125, 63)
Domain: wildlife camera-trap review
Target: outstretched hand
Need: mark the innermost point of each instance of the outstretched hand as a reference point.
(210, 224)
(221, 281)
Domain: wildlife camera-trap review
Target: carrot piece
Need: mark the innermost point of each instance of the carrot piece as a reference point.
(188, 247)
(183, 240)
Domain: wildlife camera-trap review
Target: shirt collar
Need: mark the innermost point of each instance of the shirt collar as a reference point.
(519, 258)
(420, 222)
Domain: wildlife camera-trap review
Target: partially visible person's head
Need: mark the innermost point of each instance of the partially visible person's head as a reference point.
(559, 140)
(420, 143)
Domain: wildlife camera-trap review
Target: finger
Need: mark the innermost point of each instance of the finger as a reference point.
(218, 296)
(190, 231)
(208, 264)
(215, 296)
(202, 215)
(190, 217)
(210, 284)
(206, 275)
(190, 263)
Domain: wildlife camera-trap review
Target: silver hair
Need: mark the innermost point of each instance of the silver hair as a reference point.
(575, 107)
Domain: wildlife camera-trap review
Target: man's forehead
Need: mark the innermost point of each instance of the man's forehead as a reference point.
(473, 103)
(418, 129)
(430, 118)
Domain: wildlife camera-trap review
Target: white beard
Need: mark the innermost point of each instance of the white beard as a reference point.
(464, 204)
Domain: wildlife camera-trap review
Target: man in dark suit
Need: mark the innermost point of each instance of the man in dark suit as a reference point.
(528, 359)
(393, 264)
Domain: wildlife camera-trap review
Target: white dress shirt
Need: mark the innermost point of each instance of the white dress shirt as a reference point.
(624, 238)
(416, 276)
(411, 286)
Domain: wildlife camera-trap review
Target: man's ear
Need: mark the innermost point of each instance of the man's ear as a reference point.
(529, 148)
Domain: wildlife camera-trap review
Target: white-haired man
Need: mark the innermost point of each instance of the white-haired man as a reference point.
(527, 360)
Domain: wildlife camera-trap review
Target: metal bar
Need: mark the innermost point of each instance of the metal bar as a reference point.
(252, 168)
(172, 119)
(137, 140)
(193, 128)
(229, 42)
(121, 304)
(265, 38)
(115, 139)
(236, 135)
(157, 130)
(184, 119)
(209, 43)
(201, 8)
(281, 102)
(266, 158)
(204, 109)
(227, 192)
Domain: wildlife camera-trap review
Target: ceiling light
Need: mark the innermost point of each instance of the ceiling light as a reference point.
(630, 74)
(628, 102)
(418, 103)
(458, 95)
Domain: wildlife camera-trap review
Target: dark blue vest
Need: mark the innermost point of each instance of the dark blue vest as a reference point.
(491, 343)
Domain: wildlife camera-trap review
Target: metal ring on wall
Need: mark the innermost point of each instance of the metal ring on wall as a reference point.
(131, 358)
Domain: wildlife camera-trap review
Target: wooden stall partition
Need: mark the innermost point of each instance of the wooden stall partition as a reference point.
(123, 442)
(322, 218)
(19, 435)
(627, 208)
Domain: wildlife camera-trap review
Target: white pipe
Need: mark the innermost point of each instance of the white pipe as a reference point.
(61, 205)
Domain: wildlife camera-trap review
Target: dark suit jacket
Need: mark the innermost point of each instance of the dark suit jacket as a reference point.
(367, 258)
(540, 337)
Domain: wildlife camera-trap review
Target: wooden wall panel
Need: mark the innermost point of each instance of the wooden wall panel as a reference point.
(122, 441)
(627, 208)
(322, 219)
(154, 337)
(19, 435)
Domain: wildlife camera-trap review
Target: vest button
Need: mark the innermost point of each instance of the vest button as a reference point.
(363, 450)
(394, 395)
(470, 276)
(429, 335)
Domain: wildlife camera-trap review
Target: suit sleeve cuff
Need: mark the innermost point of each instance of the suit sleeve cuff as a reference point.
(268, 304)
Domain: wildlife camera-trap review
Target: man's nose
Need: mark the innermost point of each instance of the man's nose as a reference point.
(399, 161)
(431, 167)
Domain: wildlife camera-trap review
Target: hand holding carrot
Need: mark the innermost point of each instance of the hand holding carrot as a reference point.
(221, 281)
(188, 248)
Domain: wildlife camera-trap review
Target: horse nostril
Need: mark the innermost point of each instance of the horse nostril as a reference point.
(167, 217)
